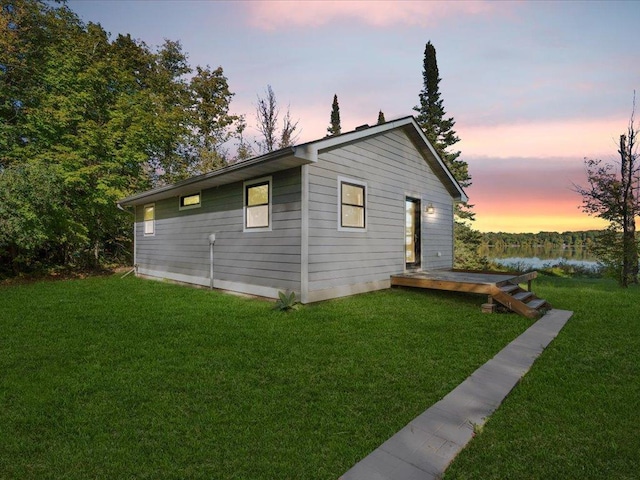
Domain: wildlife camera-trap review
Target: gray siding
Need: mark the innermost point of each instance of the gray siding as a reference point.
(393, 169)
(180, 247)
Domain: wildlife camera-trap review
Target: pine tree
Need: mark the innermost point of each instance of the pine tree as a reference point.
(437, 128)
(334, 128)
(381, 117)
(439, 131)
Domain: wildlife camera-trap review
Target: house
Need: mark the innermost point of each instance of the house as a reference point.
(328, 218)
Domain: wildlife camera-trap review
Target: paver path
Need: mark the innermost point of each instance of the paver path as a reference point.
(424, 448)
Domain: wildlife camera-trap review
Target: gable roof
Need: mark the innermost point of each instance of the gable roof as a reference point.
(298, 155)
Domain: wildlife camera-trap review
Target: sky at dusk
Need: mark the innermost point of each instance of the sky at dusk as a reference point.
(534, 87)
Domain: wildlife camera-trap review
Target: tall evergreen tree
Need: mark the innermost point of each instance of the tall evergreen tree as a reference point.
(436, 126)
(334, 127)
(439, 131)
(381, 117)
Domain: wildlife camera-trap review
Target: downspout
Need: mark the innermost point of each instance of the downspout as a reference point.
(212, 240)
(135, 243)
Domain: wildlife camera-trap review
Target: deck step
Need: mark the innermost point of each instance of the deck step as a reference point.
(537, 303)
(509, 288)
(522, 296)
(503, 289)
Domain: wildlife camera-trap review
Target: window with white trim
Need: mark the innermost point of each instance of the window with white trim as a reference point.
(190, 201)
(352, 205)
(150, 219)
(257, 204)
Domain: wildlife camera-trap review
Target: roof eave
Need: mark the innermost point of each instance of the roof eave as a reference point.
(443, 171)
(262, 165)
(300, 155)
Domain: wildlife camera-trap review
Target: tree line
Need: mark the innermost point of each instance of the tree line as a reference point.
(578, 239)
(86, 120)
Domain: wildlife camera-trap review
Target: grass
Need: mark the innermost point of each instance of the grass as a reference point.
(574, 415)
(126, 378)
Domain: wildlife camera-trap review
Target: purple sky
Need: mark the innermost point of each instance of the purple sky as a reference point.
(534, 87)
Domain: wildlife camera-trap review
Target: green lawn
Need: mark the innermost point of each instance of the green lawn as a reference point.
(575, 414)
(126, 378)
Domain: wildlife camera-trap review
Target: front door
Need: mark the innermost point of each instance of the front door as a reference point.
(412, 233)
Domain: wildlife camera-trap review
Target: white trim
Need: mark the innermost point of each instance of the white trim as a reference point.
(445, 169)
(153, 222)
(249, 183)
(189, 207)
(352, 181)
(338, 140)
(304, 234)
(178, 277)
(421, 199)
(453, 233)
(347, 290)
(268, 292)
(295, 157)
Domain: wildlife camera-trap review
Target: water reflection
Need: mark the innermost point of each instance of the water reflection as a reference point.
(539, 257)
(542, 253)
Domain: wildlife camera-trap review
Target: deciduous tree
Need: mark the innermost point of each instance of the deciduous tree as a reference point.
(267, 112)
(101, 119)
(212, 122)
(267, 120)
(288, 134)
(613, 194)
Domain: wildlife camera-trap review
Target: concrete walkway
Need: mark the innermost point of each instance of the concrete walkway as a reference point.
(423, 449)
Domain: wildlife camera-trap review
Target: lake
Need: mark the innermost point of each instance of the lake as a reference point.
(539, 257)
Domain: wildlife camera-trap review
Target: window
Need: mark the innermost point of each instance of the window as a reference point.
(257, 204)
(190, 201)
(352, 204)
(149, 219)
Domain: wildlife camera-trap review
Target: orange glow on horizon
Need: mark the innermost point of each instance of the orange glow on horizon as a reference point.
(536, 223)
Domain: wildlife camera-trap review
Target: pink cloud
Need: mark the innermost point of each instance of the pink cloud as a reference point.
(528, 195)
(269, 15)
(577, 137)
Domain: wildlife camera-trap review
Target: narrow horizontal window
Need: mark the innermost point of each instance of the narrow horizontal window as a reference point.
(149, 219)
(352, 205)
(257, 205)
(190, 201)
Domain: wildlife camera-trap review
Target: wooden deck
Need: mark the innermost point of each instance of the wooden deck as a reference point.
(503, 288)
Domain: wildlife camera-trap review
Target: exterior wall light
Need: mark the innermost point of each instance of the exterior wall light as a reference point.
(430, 209)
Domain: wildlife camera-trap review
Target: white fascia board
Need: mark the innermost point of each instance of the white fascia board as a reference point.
(255, 167)
(463, 196)
(309, 151)
(330, 142)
